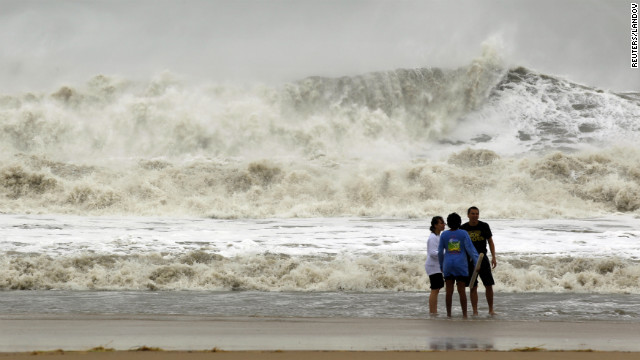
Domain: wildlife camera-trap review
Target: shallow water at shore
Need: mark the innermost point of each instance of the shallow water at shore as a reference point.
(400, 305)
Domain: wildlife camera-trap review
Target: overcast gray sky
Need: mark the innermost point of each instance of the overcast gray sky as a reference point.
(49, 43)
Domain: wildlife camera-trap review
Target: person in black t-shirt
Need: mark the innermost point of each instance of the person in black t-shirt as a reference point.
(480, 234)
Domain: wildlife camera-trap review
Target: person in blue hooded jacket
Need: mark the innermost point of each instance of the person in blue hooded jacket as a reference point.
(453, 252)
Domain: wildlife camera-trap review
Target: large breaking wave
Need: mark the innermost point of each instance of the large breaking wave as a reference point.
(402, 143)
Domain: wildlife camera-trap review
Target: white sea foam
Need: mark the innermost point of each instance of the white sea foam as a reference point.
(584, 184)
(78, 253)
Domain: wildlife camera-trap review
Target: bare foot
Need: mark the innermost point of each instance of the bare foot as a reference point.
(493, 313)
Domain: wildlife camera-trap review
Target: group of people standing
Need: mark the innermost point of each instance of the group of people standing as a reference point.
(452, 256)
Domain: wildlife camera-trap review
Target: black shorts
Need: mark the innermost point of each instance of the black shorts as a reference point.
(437, 281)
(484, 274)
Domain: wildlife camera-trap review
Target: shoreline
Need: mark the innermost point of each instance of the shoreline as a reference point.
(71, 333)
(325, 355)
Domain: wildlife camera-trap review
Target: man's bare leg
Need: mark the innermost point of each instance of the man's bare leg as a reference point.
(489, 293)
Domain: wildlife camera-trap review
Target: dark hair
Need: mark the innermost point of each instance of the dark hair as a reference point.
(454, 221)
(472, 208)
(434, 222)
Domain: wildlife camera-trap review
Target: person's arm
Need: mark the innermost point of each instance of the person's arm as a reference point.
(441, 253)
(492, 248)
(432, 247)
(471, 250)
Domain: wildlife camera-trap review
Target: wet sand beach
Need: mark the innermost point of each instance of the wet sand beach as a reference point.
(388, 338)
(325, 355)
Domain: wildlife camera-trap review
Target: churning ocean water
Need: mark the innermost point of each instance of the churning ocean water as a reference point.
(313, 198)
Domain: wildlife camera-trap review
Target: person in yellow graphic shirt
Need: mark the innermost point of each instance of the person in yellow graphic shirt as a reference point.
(480, 234)
(454, 250)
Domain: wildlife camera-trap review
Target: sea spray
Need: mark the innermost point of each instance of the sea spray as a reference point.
(400, 143)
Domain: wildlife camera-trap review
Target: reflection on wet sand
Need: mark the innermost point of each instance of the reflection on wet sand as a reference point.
(460, 343)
